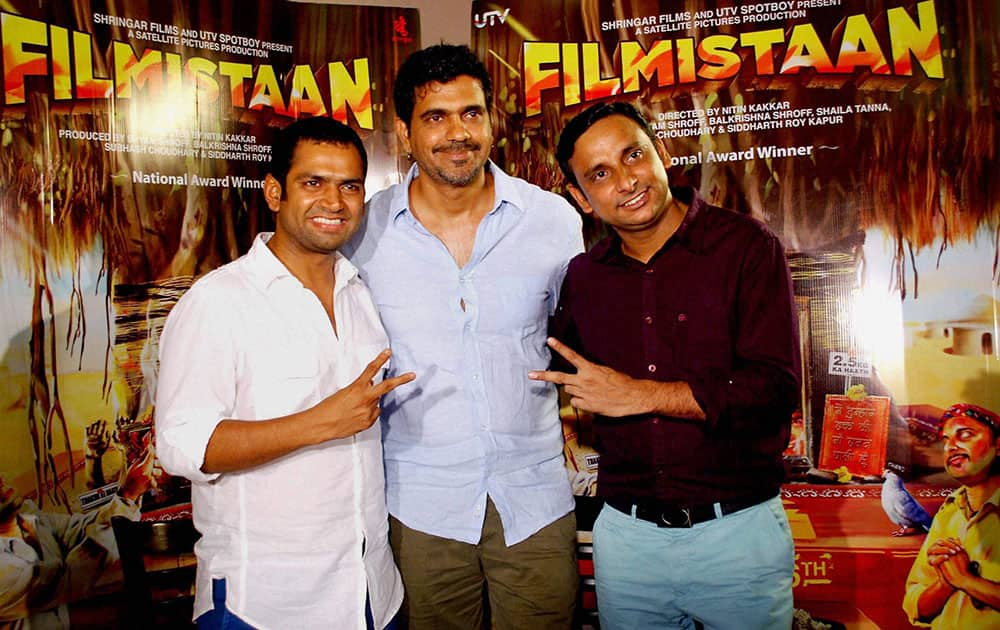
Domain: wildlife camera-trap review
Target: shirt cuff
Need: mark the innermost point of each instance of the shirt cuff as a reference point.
(711, 393)
(910, 601)
(121, 506)
(181, 448)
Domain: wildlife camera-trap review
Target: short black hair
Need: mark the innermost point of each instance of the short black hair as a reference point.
(315, 129)
(442, 63)
(583, 121)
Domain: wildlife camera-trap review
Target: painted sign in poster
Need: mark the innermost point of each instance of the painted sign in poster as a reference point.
(864, 134)
(854, 433)
(135, 137)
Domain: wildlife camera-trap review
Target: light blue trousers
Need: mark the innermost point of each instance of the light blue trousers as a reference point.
(731, 572)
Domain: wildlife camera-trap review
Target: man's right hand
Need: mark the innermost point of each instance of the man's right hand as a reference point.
(241, 444)
(355, 407)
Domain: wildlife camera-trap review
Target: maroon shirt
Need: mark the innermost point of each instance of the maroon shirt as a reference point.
(714, 308)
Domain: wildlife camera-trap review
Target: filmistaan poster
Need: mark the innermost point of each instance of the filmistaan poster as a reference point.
(864, 134)
(135, 138)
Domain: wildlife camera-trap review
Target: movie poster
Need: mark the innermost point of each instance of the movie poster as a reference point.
(135, 137)
(864, 134)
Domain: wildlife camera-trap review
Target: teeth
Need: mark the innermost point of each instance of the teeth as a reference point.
(326, 221)
(634, 200)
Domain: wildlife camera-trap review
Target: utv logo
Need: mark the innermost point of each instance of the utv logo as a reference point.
(490, 18)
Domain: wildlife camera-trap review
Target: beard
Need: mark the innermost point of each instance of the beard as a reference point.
(459, 175)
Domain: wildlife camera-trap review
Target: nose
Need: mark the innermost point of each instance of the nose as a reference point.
(457, 129)
(625, 180)
(332, 198)
(950, 443)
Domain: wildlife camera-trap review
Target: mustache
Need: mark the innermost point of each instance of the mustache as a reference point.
(326, 211)
(457, 146)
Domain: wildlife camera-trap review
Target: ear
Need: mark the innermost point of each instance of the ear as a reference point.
(491, 119)
(272, 192)
(403, 133)
(661, 150)
(580, 199)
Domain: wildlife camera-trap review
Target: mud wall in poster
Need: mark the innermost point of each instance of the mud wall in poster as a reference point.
(135, 137)
(865, 135)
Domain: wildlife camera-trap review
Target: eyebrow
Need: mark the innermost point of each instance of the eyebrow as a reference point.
(440, 111)
(603, 165)
(330, 177)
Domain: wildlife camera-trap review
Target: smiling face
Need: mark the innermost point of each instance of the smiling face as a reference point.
(621, 176)
(449, 134)
(322, 201)
(970, 449)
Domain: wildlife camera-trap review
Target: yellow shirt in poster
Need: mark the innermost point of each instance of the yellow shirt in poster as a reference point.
(979, 534)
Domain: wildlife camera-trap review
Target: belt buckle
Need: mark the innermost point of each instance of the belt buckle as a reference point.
(679, 517)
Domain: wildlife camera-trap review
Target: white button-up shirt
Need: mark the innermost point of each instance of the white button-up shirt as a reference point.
(300, 539)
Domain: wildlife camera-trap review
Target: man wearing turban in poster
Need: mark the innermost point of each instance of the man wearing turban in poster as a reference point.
(955, 580)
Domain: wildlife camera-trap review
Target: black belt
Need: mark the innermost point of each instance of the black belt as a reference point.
(677, 515)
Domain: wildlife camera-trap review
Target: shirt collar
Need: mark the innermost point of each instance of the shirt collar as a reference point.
(961, 498)
(505, 191)
(266, 269)
(690, 234)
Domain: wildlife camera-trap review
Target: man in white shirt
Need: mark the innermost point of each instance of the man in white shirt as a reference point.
(268, 401)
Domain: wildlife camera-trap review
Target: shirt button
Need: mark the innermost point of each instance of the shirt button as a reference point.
(659, 471)
(652, 367)
(650, 271)
(682, 317)
(648, 319)
(656, 421)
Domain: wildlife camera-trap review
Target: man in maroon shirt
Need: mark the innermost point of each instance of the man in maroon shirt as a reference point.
(679, 334)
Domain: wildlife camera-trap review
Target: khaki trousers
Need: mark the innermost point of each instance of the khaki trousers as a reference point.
(529, 586)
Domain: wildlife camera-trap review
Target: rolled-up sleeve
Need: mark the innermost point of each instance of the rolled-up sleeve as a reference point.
(197, 383)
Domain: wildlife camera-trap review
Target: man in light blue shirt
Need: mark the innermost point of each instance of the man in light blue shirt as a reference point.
(465, 264)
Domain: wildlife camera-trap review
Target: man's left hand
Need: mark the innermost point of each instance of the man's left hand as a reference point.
(951, 560)
(597, 388)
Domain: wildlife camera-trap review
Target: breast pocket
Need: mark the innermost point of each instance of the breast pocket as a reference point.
(285, 381)
(364, 355)
(703, 329)
(515, 306)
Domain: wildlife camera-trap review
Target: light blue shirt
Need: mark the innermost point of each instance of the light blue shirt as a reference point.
(472, 424)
